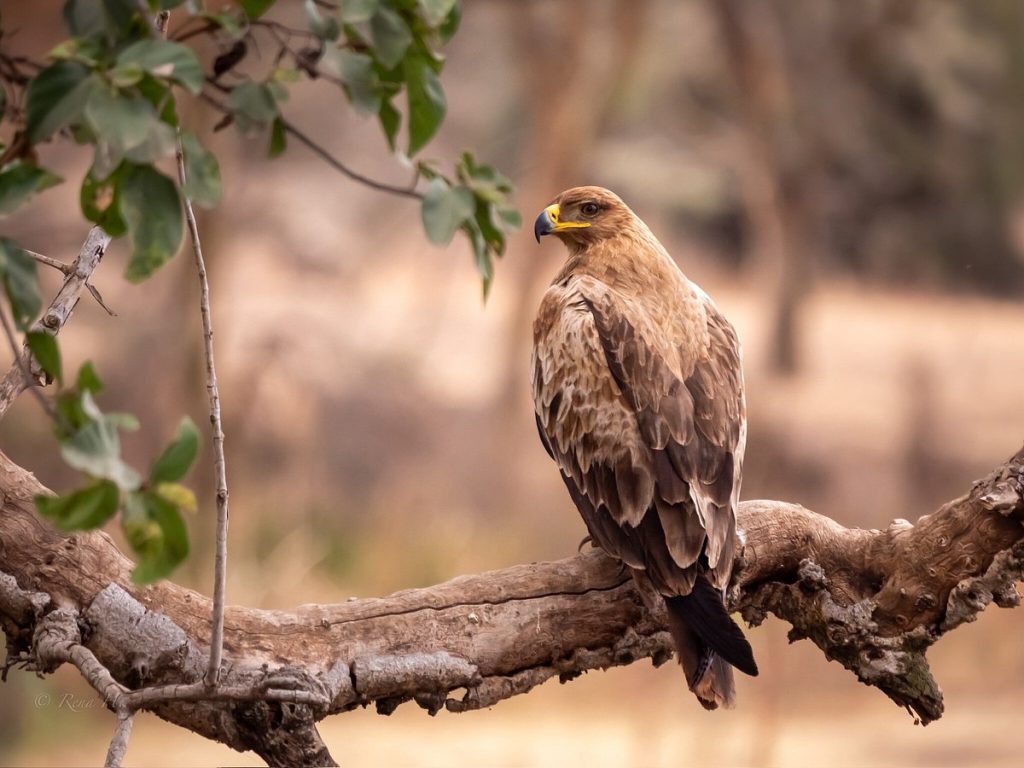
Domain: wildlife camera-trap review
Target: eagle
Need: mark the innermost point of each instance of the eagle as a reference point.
(638, 393)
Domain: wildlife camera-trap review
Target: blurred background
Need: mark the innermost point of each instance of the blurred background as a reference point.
(845, 179)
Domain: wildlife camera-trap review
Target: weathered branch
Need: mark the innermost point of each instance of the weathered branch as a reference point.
(874, 600)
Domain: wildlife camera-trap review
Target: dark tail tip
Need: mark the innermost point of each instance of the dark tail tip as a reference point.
(703, 611)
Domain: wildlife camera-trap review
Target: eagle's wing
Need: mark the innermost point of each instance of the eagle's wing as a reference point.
(666, 491)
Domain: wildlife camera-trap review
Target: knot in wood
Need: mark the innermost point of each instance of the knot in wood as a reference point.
(812, 576)
(924, 601)
(55, 633)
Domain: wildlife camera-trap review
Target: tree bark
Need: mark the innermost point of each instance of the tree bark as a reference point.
(874, 600)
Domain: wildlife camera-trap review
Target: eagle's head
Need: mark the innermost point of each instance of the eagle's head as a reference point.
(583, 216)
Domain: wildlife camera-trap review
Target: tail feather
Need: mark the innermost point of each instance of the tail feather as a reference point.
(707, 642)
(703, 611)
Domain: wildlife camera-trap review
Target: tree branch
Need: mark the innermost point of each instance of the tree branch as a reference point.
(60, 309)
(874, 600)
(219, 463)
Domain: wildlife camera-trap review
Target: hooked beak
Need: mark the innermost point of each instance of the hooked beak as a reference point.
(546, 222)
(550, 222)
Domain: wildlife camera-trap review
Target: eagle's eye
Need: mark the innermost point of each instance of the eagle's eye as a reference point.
(590, 209)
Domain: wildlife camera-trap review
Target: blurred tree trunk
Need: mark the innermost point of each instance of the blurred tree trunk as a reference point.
(773, 182)
(563, 118)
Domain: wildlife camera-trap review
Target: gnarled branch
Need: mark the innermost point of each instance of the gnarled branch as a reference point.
(874, 600)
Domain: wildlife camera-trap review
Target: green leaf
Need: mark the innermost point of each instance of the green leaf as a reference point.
(19, 181)
(427, 104)
(107, 20)
(126, 75)
(391, 37)
(510, 218)
(44, 349)
(436, 11)
(390, 121)
(179, 495)
(356, 71)
(152, 212)
(55, 98)
(253, 105)
(202, 174)
(166, 60)
(84, 18)
(481, 255)
(160, 142)
(95, 448)
(235, 25)
(177, 458)
(450, 25)
(278, 138)
(256, 8)
(485, 180)
(324, 28)
(356, 11)
(87, 380)
(157, 533)
(118, 121)
(20, 282)
(82, 510)
(100, 199)
(444, 210)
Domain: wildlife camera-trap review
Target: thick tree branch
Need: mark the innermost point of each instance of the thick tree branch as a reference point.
(874, 600)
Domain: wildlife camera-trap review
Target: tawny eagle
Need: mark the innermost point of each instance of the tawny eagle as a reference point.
(638, 392)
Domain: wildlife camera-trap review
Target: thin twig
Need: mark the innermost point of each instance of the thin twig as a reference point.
(60, 309)
(99, 299)
(331, 160)
(50, 262)
(119, 741)
(219, 464)
(220, 567)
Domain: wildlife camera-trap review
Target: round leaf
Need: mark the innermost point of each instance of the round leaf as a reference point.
(427, 105)
(152, 212)
(166, 60)
(444, 210)
(202, 174)
(55, 98)
(177, 458)
(83, 510)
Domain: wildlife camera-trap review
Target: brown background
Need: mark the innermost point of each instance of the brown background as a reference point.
(845, 180)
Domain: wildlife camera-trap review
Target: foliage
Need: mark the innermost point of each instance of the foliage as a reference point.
(115, 86)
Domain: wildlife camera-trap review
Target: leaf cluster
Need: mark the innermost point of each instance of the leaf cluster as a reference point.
(116, 86)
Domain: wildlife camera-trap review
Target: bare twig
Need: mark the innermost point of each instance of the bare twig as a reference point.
(99, 299)
(335, 163)
(331, 160)
(57, 264)
(119, 741)
(213, 391)
(60, 309)
(220, 466)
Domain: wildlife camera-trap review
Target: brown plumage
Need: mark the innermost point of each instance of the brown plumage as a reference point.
(638, 392)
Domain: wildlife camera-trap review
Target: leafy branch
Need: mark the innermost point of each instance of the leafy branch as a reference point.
(115, 86)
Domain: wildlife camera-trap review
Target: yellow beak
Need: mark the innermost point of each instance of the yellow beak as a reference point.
(550, 221)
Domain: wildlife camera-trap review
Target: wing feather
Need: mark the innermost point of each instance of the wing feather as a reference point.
(647, 434)
(691, 425)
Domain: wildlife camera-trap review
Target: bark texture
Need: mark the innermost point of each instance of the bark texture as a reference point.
(874, 600)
